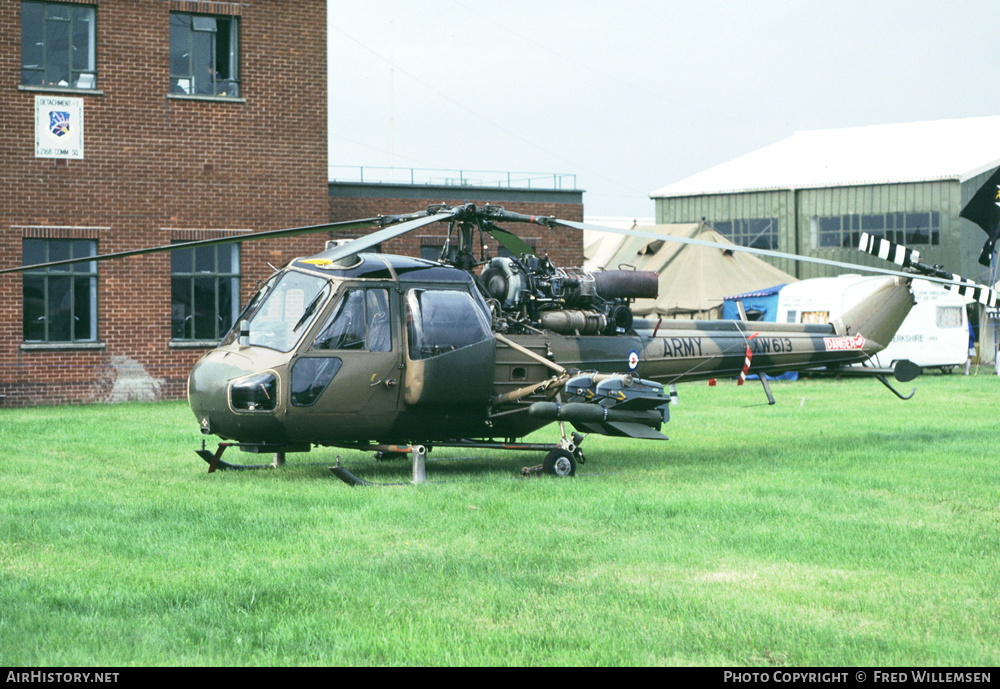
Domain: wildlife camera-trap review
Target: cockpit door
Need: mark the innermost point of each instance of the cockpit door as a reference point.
(451, 351)
(353, 364)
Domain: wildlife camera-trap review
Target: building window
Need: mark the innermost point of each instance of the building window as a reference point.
(909, 229)
(759, 233)
(57, 45)
(205, 288)
(60, 302)
(204, 55)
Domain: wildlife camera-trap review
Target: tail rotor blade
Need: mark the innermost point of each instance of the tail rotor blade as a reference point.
(974, 291)
(888, 251)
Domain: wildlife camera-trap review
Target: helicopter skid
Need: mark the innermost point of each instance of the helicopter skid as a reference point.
(349, 478)
(215, 461)
(523, 447)
(560, 459)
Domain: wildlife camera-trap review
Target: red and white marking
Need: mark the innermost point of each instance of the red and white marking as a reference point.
(840, 344)
(746, 361)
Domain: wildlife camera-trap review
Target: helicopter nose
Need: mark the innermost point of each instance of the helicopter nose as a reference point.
(207, 388)
(230, 396)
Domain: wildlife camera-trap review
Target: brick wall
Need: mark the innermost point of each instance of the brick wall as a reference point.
(157, 168)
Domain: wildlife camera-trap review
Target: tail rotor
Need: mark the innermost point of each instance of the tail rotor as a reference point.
(910, 259)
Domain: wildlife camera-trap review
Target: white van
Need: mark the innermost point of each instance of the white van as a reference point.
(934, 335)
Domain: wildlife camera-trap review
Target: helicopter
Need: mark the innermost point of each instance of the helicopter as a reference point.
(355, 349)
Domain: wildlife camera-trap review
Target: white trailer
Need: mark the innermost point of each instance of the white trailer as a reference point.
(934, 335)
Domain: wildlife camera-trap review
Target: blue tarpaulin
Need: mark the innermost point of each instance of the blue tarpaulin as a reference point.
(764, 301)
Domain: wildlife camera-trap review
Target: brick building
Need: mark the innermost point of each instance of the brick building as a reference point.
(136, 123)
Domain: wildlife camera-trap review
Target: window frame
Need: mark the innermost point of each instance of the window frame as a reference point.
(757, 233)
(74, 74)
(189, 81)
(909, 228)
(75, 273)
(185, 276)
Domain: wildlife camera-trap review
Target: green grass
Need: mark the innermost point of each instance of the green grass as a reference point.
(839, 527)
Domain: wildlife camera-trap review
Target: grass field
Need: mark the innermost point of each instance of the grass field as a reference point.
(840, 527)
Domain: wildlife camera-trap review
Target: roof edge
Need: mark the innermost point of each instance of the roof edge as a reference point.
(662, 194)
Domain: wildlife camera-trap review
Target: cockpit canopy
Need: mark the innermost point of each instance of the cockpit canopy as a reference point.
(444, 311)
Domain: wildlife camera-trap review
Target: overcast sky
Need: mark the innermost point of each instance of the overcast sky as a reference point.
(632, 95)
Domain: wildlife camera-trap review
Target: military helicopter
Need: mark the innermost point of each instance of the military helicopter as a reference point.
(393, 354)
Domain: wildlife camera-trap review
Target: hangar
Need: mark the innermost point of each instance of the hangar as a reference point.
(816, 191)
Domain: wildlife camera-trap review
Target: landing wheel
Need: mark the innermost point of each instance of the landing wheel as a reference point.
(559, 462)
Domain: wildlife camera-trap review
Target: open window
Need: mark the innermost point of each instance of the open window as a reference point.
(204, 55)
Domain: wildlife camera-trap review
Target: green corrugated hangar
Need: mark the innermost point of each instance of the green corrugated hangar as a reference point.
(816, 191)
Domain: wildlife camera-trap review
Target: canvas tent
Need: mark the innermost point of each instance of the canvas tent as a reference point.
(694, 280)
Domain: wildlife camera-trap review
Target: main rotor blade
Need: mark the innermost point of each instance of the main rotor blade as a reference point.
(646, 234)
(375, 238)
(252, 237)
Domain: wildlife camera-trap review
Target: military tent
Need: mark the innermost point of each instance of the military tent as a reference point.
(694, 280)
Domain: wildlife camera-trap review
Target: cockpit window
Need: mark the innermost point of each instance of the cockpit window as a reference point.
(360, 320)
(440, 321)
(287, 310)
(379, 332)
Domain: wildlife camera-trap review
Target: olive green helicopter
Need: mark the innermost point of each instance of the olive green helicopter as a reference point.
(354, 349)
